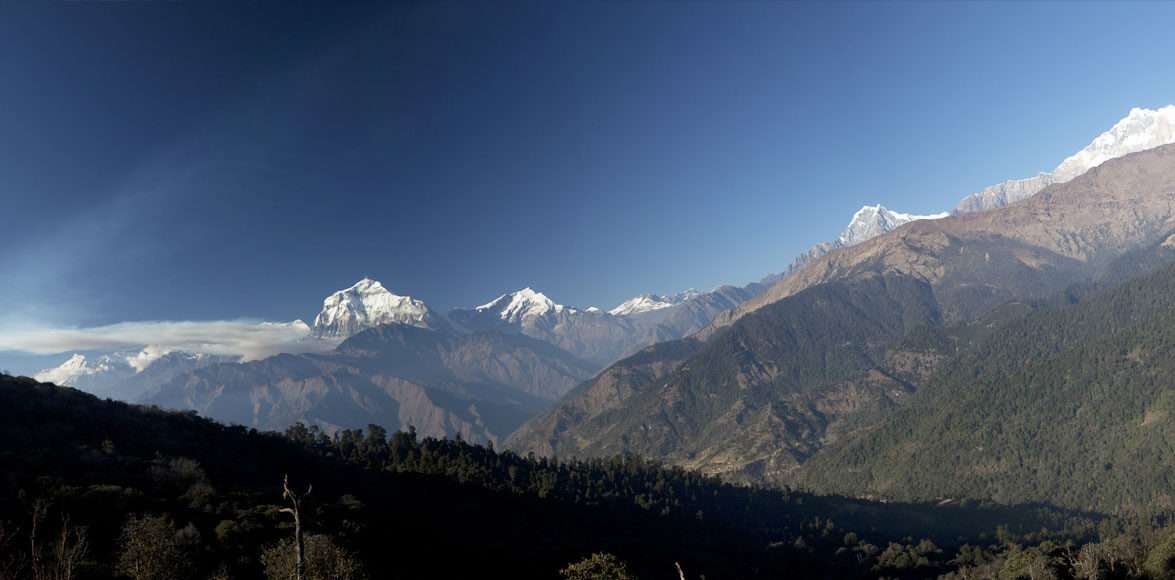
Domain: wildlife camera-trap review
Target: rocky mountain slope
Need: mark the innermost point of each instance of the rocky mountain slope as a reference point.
(602, 337)
(754, 401)
(1059, 235)
(869, 222)
(792, 369)
(1140, 130)
(480, 385)
(693, 314)
(126, 376)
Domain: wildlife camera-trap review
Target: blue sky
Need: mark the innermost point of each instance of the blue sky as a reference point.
(203, 161)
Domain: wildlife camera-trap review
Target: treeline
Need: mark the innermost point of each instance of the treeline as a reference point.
(1126, 548)
(632, 481)
(101, 489)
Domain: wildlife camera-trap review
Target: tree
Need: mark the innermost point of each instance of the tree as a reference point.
(152, 548)
(59, 557)
(12, 560)
(1160, 561)
(295, 509)
(598, 566)
(325, 560)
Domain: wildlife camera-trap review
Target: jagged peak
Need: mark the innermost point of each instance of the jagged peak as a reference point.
(651, 302)
(1139, 130)
(521, 304)
(873, 220)
(366, 304)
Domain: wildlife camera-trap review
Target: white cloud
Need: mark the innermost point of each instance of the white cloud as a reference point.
(148, 355)
(248, 339)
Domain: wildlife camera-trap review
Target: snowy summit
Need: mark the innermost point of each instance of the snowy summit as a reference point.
(521, 305)
(651, 302)
(1142, 129)
(365, 305)
(874, 220)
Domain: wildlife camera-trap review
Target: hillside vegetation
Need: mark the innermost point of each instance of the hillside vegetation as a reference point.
(1072, 404)
(197, 499)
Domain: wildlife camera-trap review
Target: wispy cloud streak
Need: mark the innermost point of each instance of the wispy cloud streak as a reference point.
(248, 339)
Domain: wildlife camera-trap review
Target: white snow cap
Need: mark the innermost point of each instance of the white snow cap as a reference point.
(520, 305)
(68, 371)
(651, 302)
(1140, 130)
(78, 366)
(873, 220)
(367, 304)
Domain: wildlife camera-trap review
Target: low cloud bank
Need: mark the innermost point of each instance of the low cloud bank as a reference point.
(248, 339)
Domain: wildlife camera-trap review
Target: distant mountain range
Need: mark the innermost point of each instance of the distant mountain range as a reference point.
(650, 302)
(1141, 130)
(476, 372)
(126, 376)
(480, 385)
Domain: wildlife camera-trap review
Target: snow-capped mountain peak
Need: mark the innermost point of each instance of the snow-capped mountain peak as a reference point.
(123, 364)
(521, 305)
(869, 222)
(127, 375)
(68, 371)
(367, 304)
(873, 220)
(651, 302)
(638, 304)
(1140, 130)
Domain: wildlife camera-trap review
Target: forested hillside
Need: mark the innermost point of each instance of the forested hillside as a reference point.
(755, 400)
(1073, 404)
(132, 486)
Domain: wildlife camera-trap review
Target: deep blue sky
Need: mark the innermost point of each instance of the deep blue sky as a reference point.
(188, 160)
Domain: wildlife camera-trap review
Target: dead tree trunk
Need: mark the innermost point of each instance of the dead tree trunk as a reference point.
(296, 509)
(40, 509)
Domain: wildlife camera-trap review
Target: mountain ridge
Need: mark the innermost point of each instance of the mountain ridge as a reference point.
(1065, 404)
(1139, 130)
(480, 385)
(1058, 221)
(741, 405)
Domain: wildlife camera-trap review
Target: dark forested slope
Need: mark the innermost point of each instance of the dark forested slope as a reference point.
(1073, 404)
(200, 497)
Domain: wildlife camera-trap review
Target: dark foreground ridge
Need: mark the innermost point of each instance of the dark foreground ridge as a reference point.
(199, 499)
